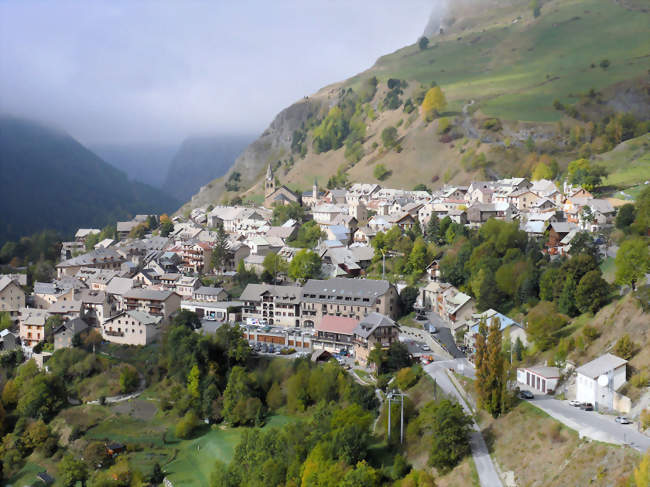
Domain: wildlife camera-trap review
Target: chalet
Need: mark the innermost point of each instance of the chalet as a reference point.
(65, 333)
(131, 328)
(374, 330)
(335, 333)
(152, 301)
(32, 326)
(209, 294)
(99, 258)
(12, 298)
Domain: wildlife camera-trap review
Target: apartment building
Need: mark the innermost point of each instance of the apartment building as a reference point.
(352, 298)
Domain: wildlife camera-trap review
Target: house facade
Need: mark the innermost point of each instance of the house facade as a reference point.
(352, 298)
(12, 298)
(597, 381)
(132, 328)
(374, 330)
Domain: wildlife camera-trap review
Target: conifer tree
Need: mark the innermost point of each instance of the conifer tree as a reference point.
(567, 301)
(433, 230)
(481, 365)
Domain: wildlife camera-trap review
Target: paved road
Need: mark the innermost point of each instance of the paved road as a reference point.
(444, 335)
(487, 473)
(591, 424)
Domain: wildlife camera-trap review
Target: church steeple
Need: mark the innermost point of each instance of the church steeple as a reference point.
(314, 190)
(269, 183)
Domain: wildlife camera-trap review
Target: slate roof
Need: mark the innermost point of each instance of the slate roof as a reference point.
(150, 294)
(337, 288)
(253, 292)
(97, 256)
(370, 323)
(601, 365)
(543, 371)
(208, 291)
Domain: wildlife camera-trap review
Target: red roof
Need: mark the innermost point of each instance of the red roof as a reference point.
(337, 324)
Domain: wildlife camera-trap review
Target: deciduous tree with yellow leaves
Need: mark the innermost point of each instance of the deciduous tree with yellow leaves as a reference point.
(433, 104)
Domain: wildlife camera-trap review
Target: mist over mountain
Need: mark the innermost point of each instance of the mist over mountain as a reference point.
(144, 162)
(49, 180)
(201, 159)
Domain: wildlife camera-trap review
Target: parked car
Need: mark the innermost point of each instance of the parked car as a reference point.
(526, 395)
(426, 348)
(587, 406)
(433, 329)
(574, 403)
(622, 420)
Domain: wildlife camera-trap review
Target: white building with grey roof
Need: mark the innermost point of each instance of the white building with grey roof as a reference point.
(597, 381)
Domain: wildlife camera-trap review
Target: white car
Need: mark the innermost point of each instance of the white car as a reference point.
(574, 403)
(426, 348)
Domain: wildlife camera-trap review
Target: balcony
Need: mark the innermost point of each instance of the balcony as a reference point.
(114, 333)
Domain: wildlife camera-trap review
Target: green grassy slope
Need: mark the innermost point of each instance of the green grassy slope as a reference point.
(517, 70)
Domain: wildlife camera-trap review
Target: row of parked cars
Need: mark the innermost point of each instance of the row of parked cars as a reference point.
(270, 348)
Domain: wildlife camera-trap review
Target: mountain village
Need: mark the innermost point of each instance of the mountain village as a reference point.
(128, 289)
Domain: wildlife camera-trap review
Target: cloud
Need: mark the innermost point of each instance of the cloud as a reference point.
(117, 71)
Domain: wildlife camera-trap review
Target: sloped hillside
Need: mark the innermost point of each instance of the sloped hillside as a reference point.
(49, 180)
(516, 84)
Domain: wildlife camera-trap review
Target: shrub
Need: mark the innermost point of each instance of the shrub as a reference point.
(590, 333)
(406, 377)
(380, 172)
(625, 348)
(645, 419)
(187, 425)
(604, 63)
(493, 124)
(444, 125)
(389, 137)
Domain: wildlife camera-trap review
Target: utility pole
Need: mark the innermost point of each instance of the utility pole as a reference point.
(396, 397)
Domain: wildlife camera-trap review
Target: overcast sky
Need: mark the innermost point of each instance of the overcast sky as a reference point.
(144, 71)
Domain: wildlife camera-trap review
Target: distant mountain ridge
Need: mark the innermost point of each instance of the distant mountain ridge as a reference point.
(50, 181)
(200, 159)
(144, 162)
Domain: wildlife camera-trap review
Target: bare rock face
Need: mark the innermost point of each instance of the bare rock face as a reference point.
(272, 145)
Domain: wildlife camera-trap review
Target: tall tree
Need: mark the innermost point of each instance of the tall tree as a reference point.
(481, 362)
(304, 265)
(432, 233)
(592, 291)
(495, 363)
(434, 103)
(567, 301)
(220, 250)
(632, 261)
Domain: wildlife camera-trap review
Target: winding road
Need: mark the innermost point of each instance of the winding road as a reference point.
(487, 473)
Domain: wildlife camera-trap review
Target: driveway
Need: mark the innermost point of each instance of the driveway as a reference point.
(591, 424)
(487, 473)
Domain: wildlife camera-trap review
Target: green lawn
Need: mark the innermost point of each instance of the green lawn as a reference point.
(195, 458)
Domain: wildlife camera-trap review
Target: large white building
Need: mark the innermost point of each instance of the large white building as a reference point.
(598, 380)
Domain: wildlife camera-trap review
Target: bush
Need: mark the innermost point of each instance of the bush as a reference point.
(444, 125)
(645, 419)
(493, 124)
(590, 333)
(380, 172)
(187, 425)
(625, 348)
(389, 137)
(406, 378)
